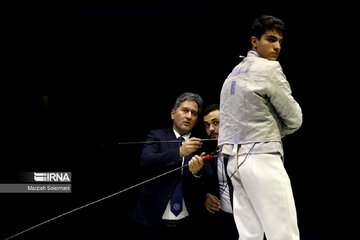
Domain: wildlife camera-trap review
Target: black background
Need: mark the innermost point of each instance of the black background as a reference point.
(112, 74)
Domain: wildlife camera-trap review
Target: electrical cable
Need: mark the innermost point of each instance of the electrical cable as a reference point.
(207, 157)
(232, 174)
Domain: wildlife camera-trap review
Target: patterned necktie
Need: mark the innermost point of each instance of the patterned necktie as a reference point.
(176, 199)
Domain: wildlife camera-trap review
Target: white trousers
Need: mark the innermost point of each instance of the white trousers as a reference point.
(263, 200)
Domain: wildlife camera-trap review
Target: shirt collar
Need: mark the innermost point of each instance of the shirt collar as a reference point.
(252, 53)
(186, 136)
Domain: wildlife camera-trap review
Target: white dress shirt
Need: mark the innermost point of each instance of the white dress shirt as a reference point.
(168, 215)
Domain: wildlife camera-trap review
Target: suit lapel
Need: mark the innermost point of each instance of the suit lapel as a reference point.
(171, 136)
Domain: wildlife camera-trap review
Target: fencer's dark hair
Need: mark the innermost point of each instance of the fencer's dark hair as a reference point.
(266, 23)
(210, 108)
(188, 96)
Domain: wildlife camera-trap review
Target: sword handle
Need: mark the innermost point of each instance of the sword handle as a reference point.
(208, 157)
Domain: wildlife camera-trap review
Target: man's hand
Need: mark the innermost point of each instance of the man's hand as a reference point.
(190, 146)
(196, 163)
(212, 203)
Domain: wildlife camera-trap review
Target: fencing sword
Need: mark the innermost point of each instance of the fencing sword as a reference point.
(205, 158)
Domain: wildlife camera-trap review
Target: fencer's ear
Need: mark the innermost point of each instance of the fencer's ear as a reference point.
(253, 41)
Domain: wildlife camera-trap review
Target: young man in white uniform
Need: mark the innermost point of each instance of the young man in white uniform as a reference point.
(256, 111)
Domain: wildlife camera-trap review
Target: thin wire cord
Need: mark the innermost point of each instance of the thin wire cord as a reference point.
(96, 201)
(222, 190)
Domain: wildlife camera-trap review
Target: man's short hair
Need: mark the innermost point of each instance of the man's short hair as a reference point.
(266, 23)
(210, 108)
(188, 96)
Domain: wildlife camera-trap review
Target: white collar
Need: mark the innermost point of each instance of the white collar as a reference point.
(252, 52)
(186, 136)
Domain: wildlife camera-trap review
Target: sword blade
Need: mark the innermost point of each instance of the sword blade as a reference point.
(164, 141)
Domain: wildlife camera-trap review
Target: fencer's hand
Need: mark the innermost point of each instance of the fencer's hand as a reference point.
(190, 146)
(196, 163)
(212, 203)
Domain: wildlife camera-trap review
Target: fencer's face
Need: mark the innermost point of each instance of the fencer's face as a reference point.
(185, 117)
(269, 45)
(211, 123)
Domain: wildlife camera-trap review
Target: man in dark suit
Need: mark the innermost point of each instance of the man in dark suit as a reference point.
(160, 215)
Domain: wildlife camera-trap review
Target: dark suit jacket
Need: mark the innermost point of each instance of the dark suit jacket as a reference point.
(157, 158)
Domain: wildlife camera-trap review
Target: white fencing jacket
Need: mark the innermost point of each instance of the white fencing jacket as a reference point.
(256, 104)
